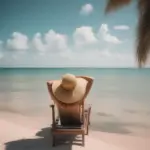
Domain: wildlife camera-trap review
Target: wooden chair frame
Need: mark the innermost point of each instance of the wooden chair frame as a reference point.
(82, 130)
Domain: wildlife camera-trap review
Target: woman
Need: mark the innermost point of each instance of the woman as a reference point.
(69, 95)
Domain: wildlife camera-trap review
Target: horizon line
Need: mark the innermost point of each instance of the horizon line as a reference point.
(74, 67)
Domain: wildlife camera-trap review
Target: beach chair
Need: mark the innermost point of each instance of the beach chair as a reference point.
(72, 118)
(65, 123)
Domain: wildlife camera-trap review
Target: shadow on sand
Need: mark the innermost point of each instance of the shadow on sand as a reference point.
(111, 127)
(44, 142)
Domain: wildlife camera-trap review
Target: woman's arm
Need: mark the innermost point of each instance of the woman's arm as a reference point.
(89, 79)
(89, 84)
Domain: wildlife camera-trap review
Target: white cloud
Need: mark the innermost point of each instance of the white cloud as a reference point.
(51, 41)
(87, 48)
(121, 27)
(37, 42)
(55, 41)
(86, 9)
(84, 36)
(18, 41)
(106, 36)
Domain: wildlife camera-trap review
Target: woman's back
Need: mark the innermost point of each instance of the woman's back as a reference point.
(70, 101)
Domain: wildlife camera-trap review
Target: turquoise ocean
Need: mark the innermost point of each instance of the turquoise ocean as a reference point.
(120, 98)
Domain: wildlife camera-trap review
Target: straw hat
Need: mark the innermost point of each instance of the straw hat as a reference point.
(69, 89)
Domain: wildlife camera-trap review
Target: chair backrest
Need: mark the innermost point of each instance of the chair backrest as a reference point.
(70, 114)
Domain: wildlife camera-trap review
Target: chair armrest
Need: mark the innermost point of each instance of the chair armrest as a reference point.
(87, 108)
(87, 113)
(52, 105)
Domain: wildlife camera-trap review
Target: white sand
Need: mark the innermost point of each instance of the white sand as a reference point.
(18, 132)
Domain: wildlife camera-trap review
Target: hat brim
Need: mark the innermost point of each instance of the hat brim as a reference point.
(70, 96)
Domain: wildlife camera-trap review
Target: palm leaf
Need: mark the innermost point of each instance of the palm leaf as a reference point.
(116, 4)
(143, 37)
(143, 30)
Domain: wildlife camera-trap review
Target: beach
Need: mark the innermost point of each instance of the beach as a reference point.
(21, 132)
(120, 109)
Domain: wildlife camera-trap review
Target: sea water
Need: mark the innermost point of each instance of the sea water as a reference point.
(120, 98)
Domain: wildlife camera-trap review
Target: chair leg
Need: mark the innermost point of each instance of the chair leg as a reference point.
(53, 140)
(87, 129)
(89, 114)
(87, 122)
(83, 139)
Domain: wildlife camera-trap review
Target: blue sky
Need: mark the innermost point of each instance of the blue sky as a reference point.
(50, 33)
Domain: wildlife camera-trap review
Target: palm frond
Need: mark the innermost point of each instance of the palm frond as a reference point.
(115, 4)
(143, 30)
(143, 37)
